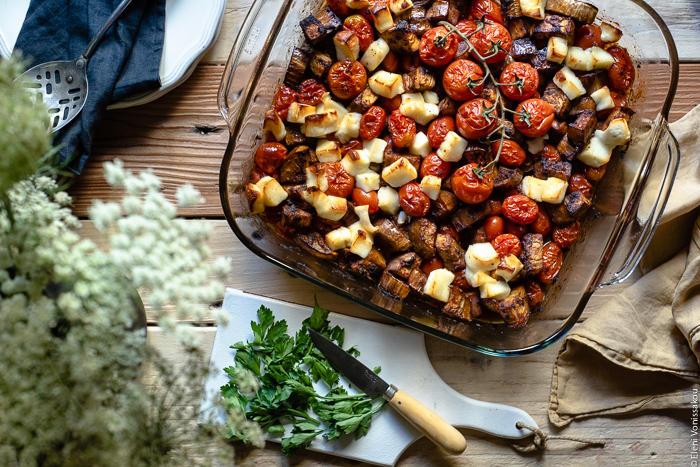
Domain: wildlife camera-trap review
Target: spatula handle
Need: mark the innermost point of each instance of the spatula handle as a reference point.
(429, 423)
(98, 37)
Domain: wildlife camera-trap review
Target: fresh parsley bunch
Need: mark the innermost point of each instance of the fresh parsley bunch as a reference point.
(286, 368)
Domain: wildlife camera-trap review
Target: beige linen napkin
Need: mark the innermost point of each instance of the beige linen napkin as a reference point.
(641, 351)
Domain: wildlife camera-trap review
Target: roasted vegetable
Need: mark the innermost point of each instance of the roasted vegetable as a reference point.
(401, 39)
(296, 68)
(321, 26)
(580, 11)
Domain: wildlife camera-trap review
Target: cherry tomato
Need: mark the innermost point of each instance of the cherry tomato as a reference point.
(588, 36)
(578, 182)
(351, 144)
(402, 129)
(310, 92)
(566, 236)
(362, 28)
(520, 209)
(363, 198)
(493, 226)
(477, 118)
(533, 292)
(621, 72)
(372, 123)
(496, 207)
(283, 99)
(486, 8)
(339, 7)
(549, 152)
(493, 42)
(432, 264)
(432, 52)
(595, 174)
(470, 188)
(438, 129)
(391, 62)
(506, 244)
(539, 121)
(347, 79)
(525, 80)
(542, 224)
(389, 104)
(618, 99)
(340, 183)
(413, 200)
(433, 165)
(269, 157)
(459, 76)
(511, 153)
(552, 257)
(257, 174)
(518, 230)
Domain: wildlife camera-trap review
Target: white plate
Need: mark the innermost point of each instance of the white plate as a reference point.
(191, 26)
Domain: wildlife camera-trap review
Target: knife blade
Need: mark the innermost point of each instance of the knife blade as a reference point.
(428, 422)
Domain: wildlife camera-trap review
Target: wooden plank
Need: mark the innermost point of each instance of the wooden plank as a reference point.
(183, 138)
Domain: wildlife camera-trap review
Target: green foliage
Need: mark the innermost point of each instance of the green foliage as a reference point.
(286, 368)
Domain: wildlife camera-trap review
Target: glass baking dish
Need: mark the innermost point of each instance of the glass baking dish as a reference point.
(612, 243)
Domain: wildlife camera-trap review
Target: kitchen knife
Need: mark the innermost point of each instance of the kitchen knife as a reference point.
(428, 422)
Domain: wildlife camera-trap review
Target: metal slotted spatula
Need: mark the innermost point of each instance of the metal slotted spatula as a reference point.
(63, 85)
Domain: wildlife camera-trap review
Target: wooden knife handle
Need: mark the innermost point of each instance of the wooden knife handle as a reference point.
(429, 423)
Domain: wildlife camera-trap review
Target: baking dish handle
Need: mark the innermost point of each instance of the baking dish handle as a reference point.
(662, 144)
(247, 56)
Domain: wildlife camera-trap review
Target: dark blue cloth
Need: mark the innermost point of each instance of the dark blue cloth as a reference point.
(125, 63)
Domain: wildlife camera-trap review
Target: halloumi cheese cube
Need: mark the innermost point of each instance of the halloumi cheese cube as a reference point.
(274, 124)
(497, 290)
(367, 181)
(431, 97)
(578, 59)
(600, 59)
(273, 192)
(338, 238)
(375, 147)
(319, 125)
(361, 241)
(421, 145)
(388, 200)
(386, 84)
(408, 97)
(349, 127)
(430, 185)
(508, 267)
(363, 216)
(477, 278)
(399, 6)
(375, 54)
(481, 257)
(599, 149)
(327, 103)
(399, 173)
(297, 112)
(381, 14)
(610, 32)
(554, 190)
(536, 145)
(452, 147)
(438, 284)
(256, 198)
(332, 208)
(568, 82)
(557, 49)
(328, 151)
(355, 161)
(347, 45)
(602, 98)
(533, 8)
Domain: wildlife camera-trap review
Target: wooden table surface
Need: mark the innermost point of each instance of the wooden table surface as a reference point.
(182, 138)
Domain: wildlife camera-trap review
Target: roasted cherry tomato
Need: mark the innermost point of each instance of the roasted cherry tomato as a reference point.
(389, 104)
(518, 230)
(496, 207)
(477, 118)
(533, 292)
(549, 152)
(520, 209)
(621, 72)
(595, 174)
(578, 182)
(536, 119)
(339, 7)
(437, 47)
(566, 236)
(283, 99)
(257, 174)
(269, 157)
(413, 200)
(351, 144)
(511, 153)
(433, 165)
(588, 36)
(551, 257)
(542, 224)
(468, 187)
(364, 198)
(525, 80)
(347, 78)
(493, 227)
(486, 8)
(506, 244)
(432, 264)
(463, 80)
(493, 42)
(618, 99)
(311, 92)
(362, 28)
(340, 183)
(438, 129)
(372, 123)
(391, 62)
(402, 129)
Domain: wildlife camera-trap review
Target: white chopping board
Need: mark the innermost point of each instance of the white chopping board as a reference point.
(404, 362)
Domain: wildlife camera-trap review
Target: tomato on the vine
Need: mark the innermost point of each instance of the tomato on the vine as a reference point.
(463, 80)
(372, 123)
(347, 78)
(491, 41)
(524, 79)
(511, 152)
(434, 165)
(469, 187)
(533, 117)
(486, 9)
(520, 209)
(438, 129)
(364, 198)
(438, 47)
(402, 129)
(477, 118)
(413, 200)
(362, 28)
